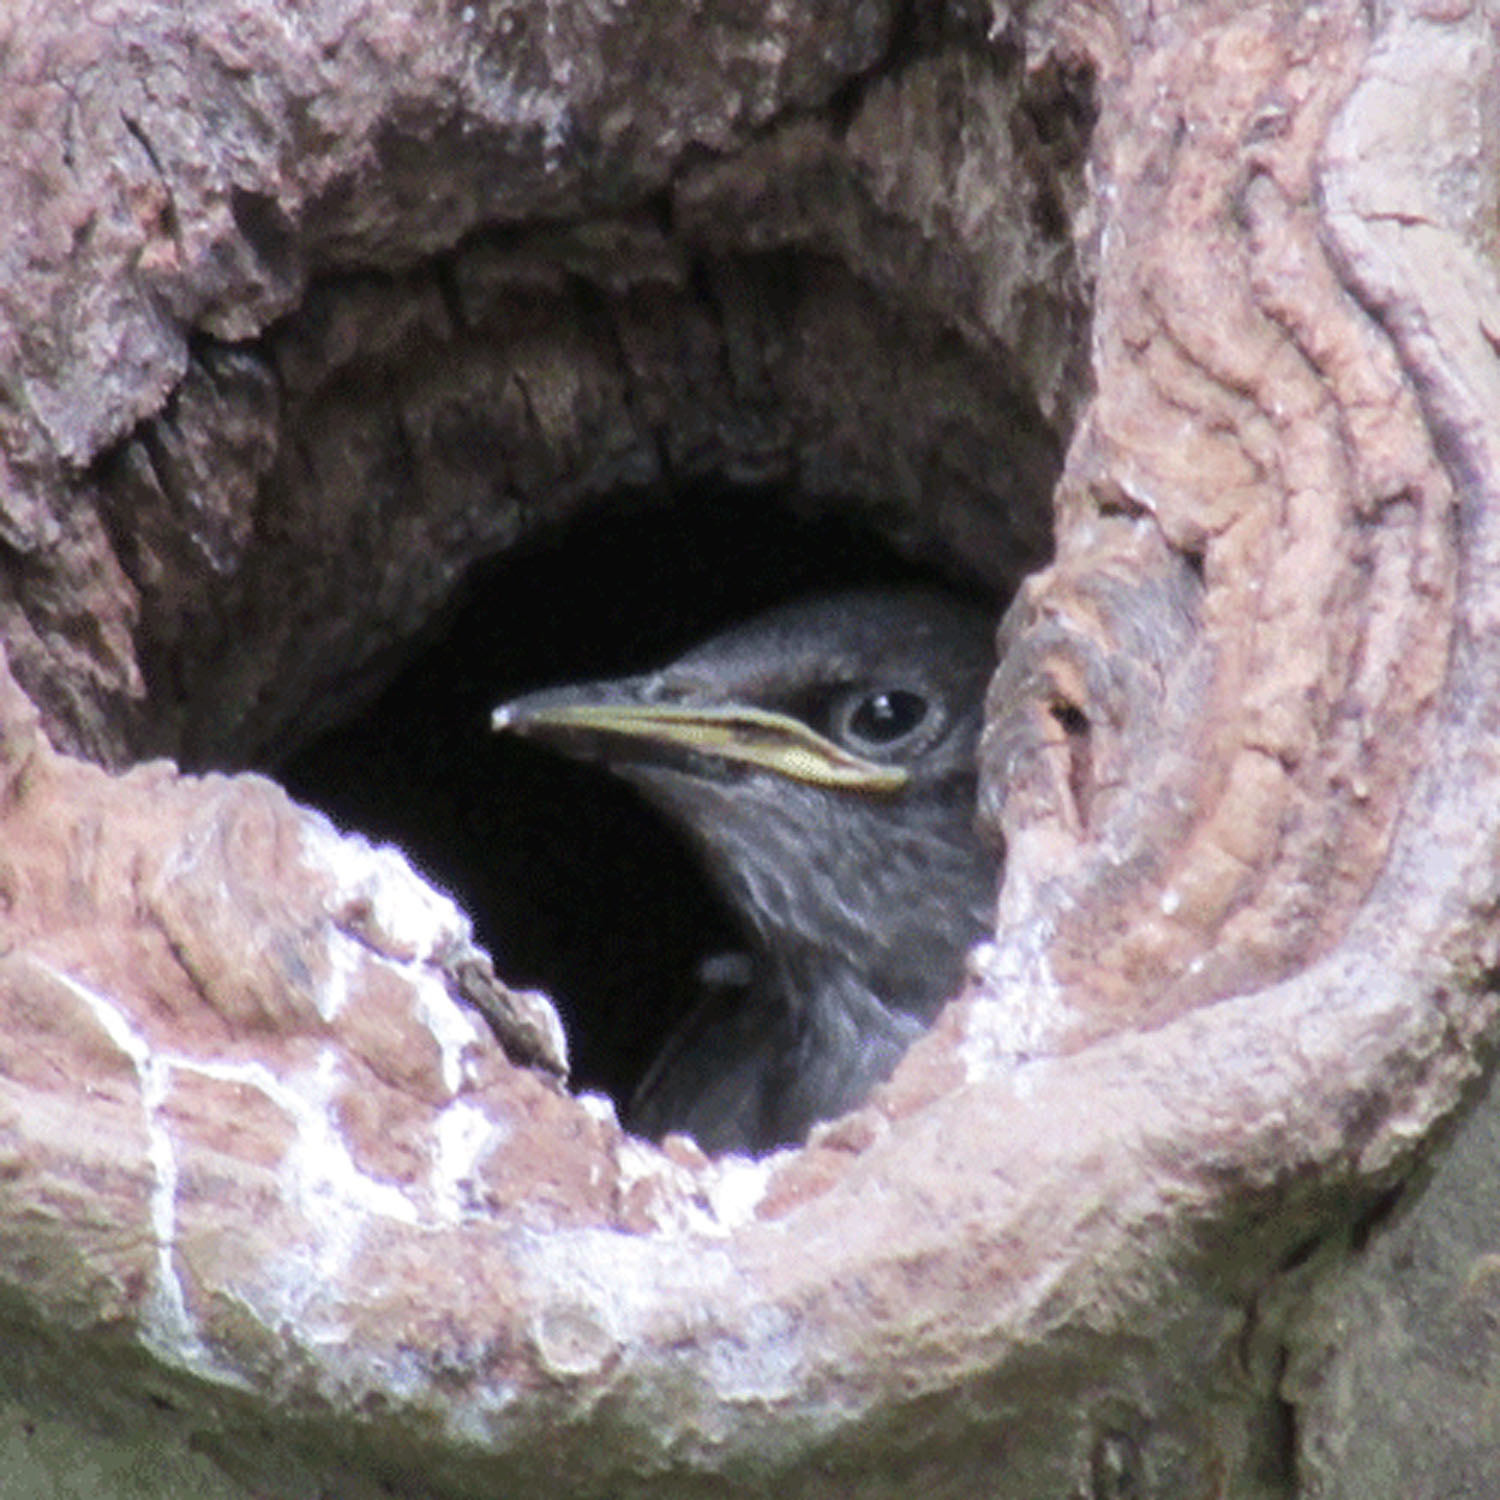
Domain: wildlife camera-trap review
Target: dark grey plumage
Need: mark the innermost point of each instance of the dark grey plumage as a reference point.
(822, 759)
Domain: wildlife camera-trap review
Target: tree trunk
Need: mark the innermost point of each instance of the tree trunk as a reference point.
(1180, 322)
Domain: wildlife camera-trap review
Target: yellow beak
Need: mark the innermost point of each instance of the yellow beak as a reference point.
(750, 736)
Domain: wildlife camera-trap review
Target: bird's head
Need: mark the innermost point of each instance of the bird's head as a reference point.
(822, 756)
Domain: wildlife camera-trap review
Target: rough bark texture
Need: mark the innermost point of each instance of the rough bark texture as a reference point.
(303, 309)
(513, 292)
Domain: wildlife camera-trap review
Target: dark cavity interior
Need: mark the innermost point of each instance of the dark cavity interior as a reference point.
(574, 885)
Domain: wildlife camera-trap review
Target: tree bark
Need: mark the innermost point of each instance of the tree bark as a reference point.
(306, 309)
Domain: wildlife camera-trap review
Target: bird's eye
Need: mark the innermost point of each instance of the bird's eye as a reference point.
(881, 719)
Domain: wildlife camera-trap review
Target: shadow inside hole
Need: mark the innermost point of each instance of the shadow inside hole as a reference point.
(575, 886)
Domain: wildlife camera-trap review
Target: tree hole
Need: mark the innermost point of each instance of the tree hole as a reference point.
(575, 886)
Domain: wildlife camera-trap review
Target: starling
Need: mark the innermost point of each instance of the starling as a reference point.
(821, 759)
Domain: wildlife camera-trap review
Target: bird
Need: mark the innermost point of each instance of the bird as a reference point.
(821, 758)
